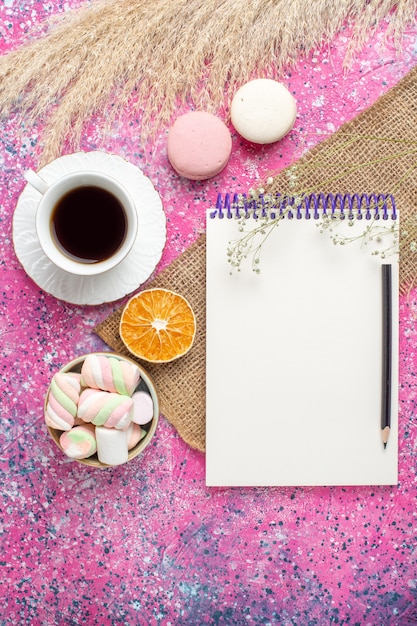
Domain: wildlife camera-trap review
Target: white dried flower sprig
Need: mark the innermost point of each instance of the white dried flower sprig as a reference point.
(258, 216)
(251, 242)
(375, 234)
(375, 231)
(261, 210)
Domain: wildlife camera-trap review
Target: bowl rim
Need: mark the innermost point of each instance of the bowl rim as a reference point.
(143, 443)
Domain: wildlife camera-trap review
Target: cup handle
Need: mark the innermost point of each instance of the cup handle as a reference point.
(36, 181)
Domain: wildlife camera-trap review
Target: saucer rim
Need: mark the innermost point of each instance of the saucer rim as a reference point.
(56, 275)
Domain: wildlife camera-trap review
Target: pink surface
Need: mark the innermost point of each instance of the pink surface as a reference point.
(148, 543)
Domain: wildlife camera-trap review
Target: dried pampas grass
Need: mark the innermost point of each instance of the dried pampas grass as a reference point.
(163, 53)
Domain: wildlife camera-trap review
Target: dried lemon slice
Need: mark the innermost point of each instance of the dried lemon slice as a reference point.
(157, 325)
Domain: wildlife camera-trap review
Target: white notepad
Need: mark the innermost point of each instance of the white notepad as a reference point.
(294, 360)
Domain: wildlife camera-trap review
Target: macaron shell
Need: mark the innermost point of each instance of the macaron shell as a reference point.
(198, 145)
(263, 111)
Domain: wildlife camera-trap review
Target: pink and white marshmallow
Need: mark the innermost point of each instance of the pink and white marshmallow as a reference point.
(61, 407)
(79, 442)
(134, 434)
(143, 407)
(109, 374)
(103, 408)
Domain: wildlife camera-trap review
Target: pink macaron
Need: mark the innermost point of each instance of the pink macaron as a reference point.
(198, 145)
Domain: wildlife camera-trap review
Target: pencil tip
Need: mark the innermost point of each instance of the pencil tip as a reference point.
(385, 445)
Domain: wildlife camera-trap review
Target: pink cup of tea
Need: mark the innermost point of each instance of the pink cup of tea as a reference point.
(86, 221)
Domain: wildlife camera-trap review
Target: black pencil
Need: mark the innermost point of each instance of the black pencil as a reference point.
(386, 352)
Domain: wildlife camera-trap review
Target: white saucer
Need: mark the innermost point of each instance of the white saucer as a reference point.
(122, 279)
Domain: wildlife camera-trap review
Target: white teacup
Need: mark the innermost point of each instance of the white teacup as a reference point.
(86, 221)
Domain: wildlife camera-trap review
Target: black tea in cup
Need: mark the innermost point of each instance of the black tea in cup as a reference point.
(89, 224)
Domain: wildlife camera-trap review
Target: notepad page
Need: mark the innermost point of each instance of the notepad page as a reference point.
(294, 357)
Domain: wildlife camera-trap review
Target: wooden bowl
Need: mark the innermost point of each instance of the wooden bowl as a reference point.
(145, 384)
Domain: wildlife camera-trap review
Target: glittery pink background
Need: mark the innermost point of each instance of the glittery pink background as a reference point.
(148, 543)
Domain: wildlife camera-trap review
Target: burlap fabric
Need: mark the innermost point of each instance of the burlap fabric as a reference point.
(356, 159)
(374, 153)
(181, 384)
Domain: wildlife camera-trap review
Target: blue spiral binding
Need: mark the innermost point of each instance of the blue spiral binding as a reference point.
(350, 206)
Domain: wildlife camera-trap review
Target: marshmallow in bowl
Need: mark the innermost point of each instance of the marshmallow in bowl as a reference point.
(79, 442)
(61, 408)
(109, 374)
(111, 446)
(142, 407)
(103, 408)
(134, 434)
